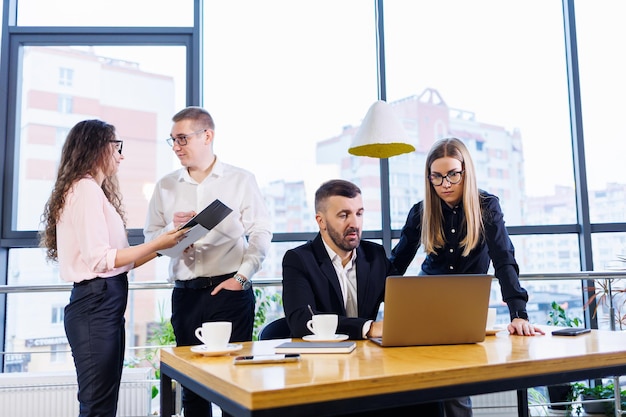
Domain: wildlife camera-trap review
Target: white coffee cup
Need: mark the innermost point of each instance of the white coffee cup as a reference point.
(491, 318)
(323, 326)
(215, 334)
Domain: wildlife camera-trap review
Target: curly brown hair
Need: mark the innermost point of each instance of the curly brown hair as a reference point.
(86, 152)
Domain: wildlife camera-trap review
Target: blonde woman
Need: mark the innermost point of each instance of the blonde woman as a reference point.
(85, 232)
(462, 230)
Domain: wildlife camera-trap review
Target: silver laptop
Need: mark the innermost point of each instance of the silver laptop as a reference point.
(435, 310)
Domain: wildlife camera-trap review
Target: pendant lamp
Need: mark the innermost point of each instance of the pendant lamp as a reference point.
(381, 134)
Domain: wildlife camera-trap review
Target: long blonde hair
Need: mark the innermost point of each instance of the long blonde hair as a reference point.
(85, 152)
(433, 236)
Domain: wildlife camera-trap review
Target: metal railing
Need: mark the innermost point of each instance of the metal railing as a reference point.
(144, 285)
(269, 282)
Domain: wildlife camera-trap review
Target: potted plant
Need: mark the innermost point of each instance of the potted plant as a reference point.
(537, 401)
(264, 303)
(597, 392)
(561, 393)
(611, 295)
(557, 316)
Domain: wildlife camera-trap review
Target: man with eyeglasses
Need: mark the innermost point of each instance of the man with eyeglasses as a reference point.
(212, 277)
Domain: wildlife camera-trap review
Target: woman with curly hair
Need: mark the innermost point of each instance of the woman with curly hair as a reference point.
(85, 232)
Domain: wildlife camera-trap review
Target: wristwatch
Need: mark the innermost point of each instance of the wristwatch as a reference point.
(245, 284)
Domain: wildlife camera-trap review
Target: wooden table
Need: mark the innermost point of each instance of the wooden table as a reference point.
(372, 377)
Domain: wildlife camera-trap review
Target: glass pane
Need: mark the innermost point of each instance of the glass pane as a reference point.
(273, 263)
(602, 89)
(473, 70)
(287, 96)
(137, 89)
(105, 13)
(540, 254)
(566, 293)
(609, 254)
(609, 251)
(34, 321)
(547, 253)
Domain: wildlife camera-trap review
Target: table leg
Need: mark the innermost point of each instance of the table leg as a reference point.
(522, 403)
(167, 399)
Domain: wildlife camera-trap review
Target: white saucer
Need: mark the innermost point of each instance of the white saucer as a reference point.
(314, 338)
(207, 351)
(496, 329)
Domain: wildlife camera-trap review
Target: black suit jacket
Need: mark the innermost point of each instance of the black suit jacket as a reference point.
(309, 278)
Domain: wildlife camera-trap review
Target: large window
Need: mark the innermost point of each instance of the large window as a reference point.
(288, 84)
(473, 70)
(287, 92)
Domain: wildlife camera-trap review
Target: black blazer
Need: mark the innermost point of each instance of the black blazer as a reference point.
(309, 278)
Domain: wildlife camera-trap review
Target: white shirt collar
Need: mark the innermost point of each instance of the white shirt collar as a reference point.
(336, 259)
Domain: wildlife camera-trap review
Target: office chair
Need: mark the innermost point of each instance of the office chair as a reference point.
(278, 329)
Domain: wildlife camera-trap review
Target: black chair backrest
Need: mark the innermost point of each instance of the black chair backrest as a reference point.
(278, 329)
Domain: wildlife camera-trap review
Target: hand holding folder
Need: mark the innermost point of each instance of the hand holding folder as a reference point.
(199, 226)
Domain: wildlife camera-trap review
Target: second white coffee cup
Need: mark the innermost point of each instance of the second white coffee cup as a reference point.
(491, 318)
(323, 326)
(215, 334)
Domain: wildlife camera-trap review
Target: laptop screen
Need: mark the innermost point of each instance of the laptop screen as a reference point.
(435, 309)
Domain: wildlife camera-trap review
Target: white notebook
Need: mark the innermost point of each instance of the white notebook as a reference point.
(315, 347)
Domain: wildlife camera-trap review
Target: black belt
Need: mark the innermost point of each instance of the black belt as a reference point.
(203, 282)
(96, 279)
(87, 281)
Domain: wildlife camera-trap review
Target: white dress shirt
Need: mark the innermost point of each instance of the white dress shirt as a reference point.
(239, 243)
(347, 280)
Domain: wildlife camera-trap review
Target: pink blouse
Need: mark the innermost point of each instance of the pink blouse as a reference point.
(89, 233)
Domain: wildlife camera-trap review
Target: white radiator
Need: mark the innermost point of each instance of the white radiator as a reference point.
(53, 394)
(499, 404)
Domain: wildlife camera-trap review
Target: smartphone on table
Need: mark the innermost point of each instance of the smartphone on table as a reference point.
(570, 331)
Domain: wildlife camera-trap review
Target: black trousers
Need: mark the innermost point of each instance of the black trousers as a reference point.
(458, 407)
(192, 307)
(94, 325)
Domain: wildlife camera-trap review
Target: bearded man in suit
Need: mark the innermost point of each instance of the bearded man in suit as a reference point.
(339, 273)
(336, 272)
